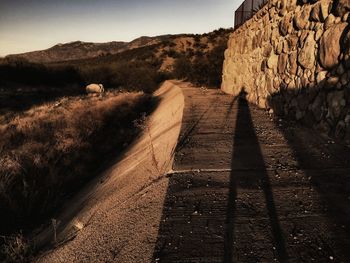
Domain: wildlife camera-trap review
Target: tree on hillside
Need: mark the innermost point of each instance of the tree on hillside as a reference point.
(205, 69)
(182, 68)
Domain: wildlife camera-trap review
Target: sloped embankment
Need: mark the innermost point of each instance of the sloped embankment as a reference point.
(109, 217)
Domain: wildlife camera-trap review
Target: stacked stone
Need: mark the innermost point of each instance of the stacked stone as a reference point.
(293, 58)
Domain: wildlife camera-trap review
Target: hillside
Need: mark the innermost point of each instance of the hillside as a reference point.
(197, 58)
(141, 65)
(82, 50)
(165, 48)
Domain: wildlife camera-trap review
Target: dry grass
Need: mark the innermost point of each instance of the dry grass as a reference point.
(15, 248)
(50, 150)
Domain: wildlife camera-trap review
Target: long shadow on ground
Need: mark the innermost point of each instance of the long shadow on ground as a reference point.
(246, 157)
(200, 209)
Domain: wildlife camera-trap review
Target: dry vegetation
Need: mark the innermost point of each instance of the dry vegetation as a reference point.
(49, 150)
(202, 63)
(53, 138)
(15, 248)
(197, 58)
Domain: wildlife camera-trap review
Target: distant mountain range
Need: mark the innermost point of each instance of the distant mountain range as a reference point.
(82, 50)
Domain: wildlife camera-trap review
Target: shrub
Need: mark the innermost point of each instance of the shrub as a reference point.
(137, 76)
(173, 53)
(182, 68)
(15, 248)
(197, 38)
(20, 71)
(199, 53)
(132, 76)
(190, 52)
(205, 69)
(172, 44)
(215, 64)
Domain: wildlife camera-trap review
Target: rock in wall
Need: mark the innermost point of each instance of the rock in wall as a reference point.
(293, 59)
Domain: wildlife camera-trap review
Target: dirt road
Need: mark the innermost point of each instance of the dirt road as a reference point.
(244, 188)
(248, 189)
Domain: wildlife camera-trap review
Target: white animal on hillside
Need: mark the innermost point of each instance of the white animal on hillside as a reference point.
(95, 88)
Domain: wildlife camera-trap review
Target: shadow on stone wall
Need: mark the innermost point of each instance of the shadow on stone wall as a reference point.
(322, 107)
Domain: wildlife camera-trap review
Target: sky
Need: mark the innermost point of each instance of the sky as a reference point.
(27, 25)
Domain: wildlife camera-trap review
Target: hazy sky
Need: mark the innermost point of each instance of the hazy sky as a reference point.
(27, 25)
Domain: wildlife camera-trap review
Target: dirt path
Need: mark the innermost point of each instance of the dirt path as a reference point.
(247, 189)
(243, 189)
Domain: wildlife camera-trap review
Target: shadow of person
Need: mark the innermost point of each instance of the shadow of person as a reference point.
(199, 220)
(248, 170)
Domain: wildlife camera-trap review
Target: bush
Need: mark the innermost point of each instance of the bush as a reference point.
(197, 38)
(215, 64)
(190, 52)
(182, 68)
(132, 76)
(173, 53)
(199, 53)
(20, 71)
(204, 69)
(15, 249)
(137, 76)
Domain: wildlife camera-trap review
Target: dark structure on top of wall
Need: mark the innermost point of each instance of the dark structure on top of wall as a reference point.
(246, 10)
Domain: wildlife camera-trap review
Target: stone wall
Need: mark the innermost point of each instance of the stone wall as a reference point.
(293, 59)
